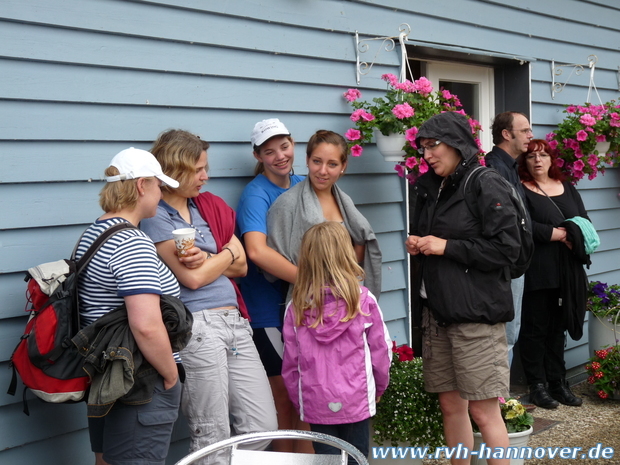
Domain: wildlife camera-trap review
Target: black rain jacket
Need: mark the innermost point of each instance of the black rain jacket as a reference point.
(470, 283)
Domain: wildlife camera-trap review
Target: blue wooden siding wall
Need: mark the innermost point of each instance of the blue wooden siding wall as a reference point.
(81, 80)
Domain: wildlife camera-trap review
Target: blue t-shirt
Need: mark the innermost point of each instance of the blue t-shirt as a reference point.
(219, 293)
(262, 298)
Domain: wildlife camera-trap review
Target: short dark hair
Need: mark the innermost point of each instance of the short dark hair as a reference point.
(503, 121)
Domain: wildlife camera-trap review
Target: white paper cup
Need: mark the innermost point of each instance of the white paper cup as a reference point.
(184, 240)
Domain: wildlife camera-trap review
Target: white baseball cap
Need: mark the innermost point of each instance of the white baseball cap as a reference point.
(136, 163)
(266, 129)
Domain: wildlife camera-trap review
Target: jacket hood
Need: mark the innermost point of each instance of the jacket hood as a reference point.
(452, 129)
(334, 310)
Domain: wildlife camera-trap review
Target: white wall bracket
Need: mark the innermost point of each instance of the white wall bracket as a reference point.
(577, 70)
(387, 43)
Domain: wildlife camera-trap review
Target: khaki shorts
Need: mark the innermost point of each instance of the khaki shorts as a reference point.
(471, 358)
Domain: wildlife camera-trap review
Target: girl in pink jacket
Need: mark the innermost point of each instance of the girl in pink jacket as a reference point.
(337, 351)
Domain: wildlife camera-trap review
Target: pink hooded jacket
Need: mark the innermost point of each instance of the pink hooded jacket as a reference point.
(334, 372)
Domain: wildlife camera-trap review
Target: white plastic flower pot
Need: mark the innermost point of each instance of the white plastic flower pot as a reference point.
(602, 147)
(391, 146)
(601, 333)
(517, 441)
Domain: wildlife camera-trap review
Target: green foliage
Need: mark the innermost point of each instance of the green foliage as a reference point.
(407, 413)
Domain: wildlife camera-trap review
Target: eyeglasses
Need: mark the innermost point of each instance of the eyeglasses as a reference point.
(524, 131)
(431, 146)
(541, 155)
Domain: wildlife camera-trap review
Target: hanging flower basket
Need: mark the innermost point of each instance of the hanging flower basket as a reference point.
(401, 111)
(390, 146)
(578, 137)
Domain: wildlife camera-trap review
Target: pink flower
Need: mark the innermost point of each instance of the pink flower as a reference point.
(582, 135)
(587, 120)
(553, 144)
(601, 138)
(393, 80)
(501, 400)
(559, 162)
(361, 114)
(400, 169)
(411, 162)
(423, 167)
(593, 160)
(423, 86)
(578, 153)
(406, 86)
(461, 112)
(352, 95)
(403, 110)
(578, 165)
(571, 144)
(482, 161)
(549, 137)
(446, 94)
(356, 151)
(614, 120)
(411, 133)
(353, 134)
(571, 109)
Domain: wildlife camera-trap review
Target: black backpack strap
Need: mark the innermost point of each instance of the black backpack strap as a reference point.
(95, 246)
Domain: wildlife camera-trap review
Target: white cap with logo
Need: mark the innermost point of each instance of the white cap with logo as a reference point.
(266, 129)
(135, 163)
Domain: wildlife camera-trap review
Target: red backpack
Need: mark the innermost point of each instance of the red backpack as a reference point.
(45, 358)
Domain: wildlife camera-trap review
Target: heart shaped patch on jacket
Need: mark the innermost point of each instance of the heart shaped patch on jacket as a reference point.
(335, 406)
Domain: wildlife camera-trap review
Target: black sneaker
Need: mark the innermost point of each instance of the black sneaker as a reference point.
(561, 392)
(541, 398)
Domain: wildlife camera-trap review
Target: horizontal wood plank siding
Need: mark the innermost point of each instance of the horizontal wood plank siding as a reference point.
(82, 80)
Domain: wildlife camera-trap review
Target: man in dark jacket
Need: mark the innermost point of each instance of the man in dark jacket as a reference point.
(511, 135)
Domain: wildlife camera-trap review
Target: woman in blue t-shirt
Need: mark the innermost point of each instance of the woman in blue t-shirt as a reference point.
(273, 147)
(225, 381)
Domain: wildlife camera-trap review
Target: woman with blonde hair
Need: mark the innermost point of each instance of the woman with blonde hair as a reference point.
(225, 379)
(118, 432)
(337, 351)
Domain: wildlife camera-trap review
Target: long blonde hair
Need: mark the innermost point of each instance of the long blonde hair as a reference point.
(326, 260)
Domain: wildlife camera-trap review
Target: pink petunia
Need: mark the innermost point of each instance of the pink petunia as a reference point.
(407, 86)
(483, 161)
(352, 95)
(356, 150)
(587, 120)
(403, 110)
(461, 112)
(400, 169)
(393, 80)
(578, 165)
(571, 144)
(553, 144)
(571, 109)
(423, 167)
(549, 137)
(614, 120)
(411, 162)
(578, 153)
(581, 135)
(559, 162)
(411, 133)
(601, 138)
(367, 116)
(357, 114)
(353, 134)
(423, 86)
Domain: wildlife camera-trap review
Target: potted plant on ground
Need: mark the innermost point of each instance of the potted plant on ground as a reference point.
(518, 423)
(407, 415)
(580, 137)
(604, 321)
(604, 372)
(404, 107)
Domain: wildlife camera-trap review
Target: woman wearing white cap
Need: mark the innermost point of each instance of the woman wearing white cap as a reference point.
(273, 147)
(224, 377)
(131, 194)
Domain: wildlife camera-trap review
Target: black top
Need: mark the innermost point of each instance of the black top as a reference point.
(544, 271)
(500, 160)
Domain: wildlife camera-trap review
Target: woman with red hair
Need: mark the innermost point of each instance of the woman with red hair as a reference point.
(551, 201)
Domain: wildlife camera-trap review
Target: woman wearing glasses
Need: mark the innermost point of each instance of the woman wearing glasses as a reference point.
(550, 201)
(464, 245)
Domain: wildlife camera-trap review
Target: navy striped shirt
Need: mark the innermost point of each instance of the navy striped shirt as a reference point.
(127, 264)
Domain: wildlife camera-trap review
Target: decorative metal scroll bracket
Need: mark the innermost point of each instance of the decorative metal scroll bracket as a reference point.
(387, 43)
(577, 70)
